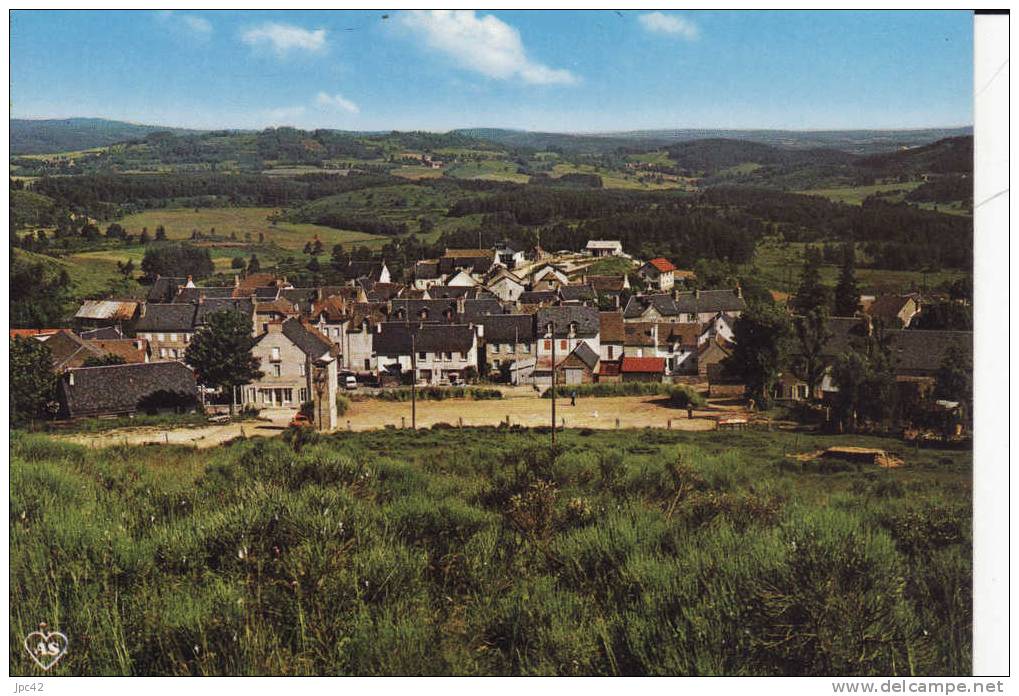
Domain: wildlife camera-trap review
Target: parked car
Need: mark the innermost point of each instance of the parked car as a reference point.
(350, 382)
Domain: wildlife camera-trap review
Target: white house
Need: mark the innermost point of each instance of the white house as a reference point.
(604, 247)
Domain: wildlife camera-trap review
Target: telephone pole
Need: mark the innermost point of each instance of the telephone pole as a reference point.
(552, 334)
(413, 382)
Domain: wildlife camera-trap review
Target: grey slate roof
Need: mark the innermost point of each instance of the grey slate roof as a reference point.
(534, 297)
(104, 333)
(167, 317)
(242, 306)
(914, 351)
(476, 310)
(446, 292)
(586, 319)
(508, 328)
(577, 293)
(395, 338)
(637, 305)
(586, 354)
(710, 301)
(195, 294)
(119, 388)
(164, 289)
(435, 310)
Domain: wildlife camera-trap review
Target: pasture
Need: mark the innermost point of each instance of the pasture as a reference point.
(246, 224)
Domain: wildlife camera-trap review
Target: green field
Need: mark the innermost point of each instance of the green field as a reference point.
(778, 266)
(180, 222)
(489, 170)
(484, 552)
(855, 195)
(613, 179)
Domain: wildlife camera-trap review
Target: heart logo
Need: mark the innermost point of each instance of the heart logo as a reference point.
(46, 648)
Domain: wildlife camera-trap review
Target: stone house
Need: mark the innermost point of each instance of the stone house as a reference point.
(168, 328)
(298, 365)
(508, 339)
(434, 352)
(703, 305)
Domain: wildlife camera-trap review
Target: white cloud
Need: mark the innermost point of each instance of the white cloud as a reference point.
(337, 101)
(671, 24)
(192, 25)
(284, 38)
(483, 44)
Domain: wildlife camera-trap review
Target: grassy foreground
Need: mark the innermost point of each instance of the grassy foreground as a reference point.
(481, 552)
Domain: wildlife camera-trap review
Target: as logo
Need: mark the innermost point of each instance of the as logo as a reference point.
(46, 647)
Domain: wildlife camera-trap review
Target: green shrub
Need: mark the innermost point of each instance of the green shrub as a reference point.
(600, 389)
(439, 393)
(684, 396)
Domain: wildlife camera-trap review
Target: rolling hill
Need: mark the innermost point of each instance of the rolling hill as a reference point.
(32, 136)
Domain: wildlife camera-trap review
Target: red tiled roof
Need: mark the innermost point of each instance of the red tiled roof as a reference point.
(663, 265)
(643, 365)
(23, 333)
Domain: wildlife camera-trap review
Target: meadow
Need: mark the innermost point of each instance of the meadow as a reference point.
(779, 264)
(483, 551)
(241, 221)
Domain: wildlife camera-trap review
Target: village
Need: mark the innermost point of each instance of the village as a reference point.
(518, 321)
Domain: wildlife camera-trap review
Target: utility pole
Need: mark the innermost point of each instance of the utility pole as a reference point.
(413, 383)
(551, 330)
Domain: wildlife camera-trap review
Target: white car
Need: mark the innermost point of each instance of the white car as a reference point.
(349, 382)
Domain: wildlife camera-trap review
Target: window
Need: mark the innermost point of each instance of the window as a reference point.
(160, 337)
(303, 368)
(173, 337)
(548, 344)
(422, 355)
(275, 353)
(276, 370)
(367, 363)
(562, 344)
(162, 352)
(302, 394)
(527, 347)
(449, 356)
(495, 347)
(463, 355)
(187, 338)
(608, 351)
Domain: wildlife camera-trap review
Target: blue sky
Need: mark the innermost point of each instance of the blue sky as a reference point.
(536, 70)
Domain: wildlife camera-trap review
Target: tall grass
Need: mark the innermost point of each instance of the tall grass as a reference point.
(481, 551)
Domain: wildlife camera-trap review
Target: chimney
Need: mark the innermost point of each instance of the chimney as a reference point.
(70, 378)
(190, 283)
(480, 330)
(378, 328)
(869, 324)
(141, 312)
(237, 280)
(697, 293)
(654, 333)
(739, 292)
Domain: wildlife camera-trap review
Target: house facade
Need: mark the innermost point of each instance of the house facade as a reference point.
(659, 273)
(295, 360)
